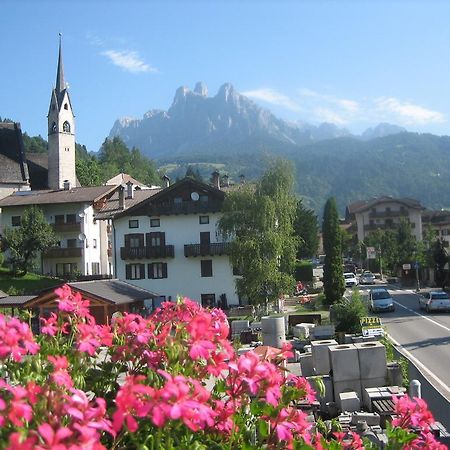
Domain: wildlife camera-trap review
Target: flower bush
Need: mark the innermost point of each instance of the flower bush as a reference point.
(169, 381)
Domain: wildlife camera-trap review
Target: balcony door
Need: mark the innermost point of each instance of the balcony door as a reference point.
(205, 241)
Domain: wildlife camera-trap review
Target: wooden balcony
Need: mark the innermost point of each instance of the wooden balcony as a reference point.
(190, 207)
(67, 227)
(162, 251)
(216, 249)
(58, 252)
(387, 214)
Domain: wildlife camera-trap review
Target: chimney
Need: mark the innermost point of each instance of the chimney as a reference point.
(242, 177)
(166, 181)
(66, 185)
(130, 190)
(226, 180)
(121, 198)
(216, 179)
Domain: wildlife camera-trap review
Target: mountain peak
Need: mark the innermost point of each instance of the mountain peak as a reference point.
(201, 89)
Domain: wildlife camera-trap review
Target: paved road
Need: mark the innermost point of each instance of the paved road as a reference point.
(425, 336)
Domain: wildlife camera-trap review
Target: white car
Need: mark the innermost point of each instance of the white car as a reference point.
(434, 301)
(350, 279)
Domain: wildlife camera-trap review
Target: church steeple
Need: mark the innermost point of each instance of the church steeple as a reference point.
(60, 84)
(61, 133)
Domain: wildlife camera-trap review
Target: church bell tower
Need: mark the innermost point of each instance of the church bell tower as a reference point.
(61, 134)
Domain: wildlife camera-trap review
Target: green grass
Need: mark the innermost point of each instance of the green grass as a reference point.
(27, 285)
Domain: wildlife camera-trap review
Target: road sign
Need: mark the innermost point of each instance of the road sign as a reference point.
(406, 266)
(371, 253)
(371, 326)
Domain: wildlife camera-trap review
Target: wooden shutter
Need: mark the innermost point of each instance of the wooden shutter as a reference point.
(128, 271)
(127, 240)
(141, 271)
(164, 270)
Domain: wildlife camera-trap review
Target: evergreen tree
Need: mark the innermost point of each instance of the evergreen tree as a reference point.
(307, 229)
(259, 220)
(333, 277)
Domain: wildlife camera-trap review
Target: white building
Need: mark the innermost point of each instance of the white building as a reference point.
(385, 213)
(83, 241)
(166, 240)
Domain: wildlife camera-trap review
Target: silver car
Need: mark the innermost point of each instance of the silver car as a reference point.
(380, 300)
(434, 301)
(367, 278)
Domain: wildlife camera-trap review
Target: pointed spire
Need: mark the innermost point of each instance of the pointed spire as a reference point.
(60, 84)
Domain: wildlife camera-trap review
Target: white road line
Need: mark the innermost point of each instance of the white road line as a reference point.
(422, 368)
(424, 317)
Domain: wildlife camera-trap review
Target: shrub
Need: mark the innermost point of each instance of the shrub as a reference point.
(348, 312)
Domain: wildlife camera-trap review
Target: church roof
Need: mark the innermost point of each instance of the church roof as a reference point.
(13, 167)
(124, 178)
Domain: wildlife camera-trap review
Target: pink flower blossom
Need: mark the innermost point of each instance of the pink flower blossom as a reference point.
(16, 339)
(71, 302)
(60, 375)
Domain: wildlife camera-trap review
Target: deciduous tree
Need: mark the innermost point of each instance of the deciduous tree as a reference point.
(23, 244)
(259, 219)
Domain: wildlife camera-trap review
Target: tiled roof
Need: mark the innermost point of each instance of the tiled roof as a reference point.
(364, 205)
(124, 178)
(112, 205)
(38, 169)
(74, 195)
(15, 300)
(115, 291)
(13, 168)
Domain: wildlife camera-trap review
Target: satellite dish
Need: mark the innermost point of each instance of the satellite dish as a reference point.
(82, 237)
(81, 214)
(195, 196)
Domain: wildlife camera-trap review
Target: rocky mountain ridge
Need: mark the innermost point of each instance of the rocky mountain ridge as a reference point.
(221, 122)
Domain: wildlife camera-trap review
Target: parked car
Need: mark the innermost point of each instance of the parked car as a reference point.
(380, 300)
(350, 279)
(434, 301)
(367, 278)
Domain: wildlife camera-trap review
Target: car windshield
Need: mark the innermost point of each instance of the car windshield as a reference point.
(348, 275)
(380, 295)
(440, 296)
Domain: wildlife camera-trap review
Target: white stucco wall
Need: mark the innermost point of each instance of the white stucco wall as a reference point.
(183, 274)
(91, 230)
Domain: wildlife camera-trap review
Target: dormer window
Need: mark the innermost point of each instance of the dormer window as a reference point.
(66, 127)
(53, 128)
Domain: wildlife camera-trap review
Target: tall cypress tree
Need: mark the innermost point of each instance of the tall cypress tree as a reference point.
(333, 277)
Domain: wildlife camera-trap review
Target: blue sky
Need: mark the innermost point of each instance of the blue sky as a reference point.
(353, 63)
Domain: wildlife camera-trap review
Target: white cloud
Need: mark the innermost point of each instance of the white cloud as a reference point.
(328, 115)
(129, 61)
(408, 113)
(273, 97)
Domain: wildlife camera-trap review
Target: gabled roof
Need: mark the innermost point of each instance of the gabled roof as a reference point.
(124, 178)
(167, 194)
(74, 195)
(112, 205)
(440, 217)
(364, 205)
(109, 291)
(13, 166)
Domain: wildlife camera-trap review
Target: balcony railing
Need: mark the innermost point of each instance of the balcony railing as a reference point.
(162, 251)
(58, 252)
(216, 249)
(66, 227)
(381, 226)
(186, 208)
(384, 214)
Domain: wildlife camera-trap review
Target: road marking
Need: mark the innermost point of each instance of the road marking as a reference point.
(424, 317)
(421, 367)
